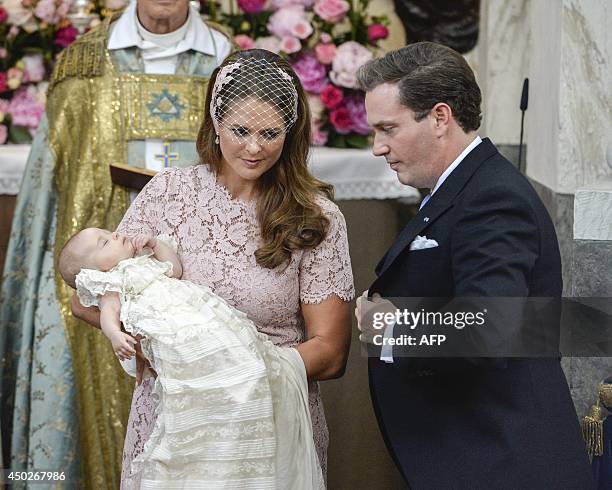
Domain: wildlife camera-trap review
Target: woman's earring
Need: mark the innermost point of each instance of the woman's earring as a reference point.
(217, 140)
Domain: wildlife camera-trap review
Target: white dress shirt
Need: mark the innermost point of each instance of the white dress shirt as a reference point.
(160, 52)
(386, 352)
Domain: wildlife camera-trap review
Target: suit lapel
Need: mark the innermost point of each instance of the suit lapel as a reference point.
(439, 202)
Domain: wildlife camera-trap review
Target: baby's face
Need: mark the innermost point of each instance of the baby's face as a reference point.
(107, 249)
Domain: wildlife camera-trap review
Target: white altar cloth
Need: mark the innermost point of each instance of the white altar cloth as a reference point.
(355, 174)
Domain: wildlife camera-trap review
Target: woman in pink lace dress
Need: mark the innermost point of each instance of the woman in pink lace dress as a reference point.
(253, 225)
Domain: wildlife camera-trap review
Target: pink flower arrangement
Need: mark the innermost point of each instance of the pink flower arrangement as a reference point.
(331, 11)
(35, 32)
(325, 41)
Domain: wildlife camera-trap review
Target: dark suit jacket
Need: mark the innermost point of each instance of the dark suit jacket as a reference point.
(472, 423)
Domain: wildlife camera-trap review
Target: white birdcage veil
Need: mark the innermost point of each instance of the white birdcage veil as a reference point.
(253, 97)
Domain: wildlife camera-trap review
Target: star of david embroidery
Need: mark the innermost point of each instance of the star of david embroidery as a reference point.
(165, 106)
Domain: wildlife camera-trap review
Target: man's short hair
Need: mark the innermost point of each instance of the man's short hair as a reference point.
(428, 73)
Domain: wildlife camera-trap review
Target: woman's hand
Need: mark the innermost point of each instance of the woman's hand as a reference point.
(142, 363)
(123, 345)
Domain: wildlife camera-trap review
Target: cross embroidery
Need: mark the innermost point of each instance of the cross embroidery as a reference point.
(166, 157)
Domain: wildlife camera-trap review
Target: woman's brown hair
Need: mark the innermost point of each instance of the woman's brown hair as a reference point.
(288, 216)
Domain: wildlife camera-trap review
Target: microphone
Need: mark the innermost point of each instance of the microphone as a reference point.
(525, 95)
(523, 107)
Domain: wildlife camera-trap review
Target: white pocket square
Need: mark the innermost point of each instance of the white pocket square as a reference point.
(422, 242)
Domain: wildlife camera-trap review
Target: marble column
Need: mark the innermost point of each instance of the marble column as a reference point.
(565, 49)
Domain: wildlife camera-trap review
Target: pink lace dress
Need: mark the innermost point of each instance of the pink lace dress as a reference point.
(217, 237)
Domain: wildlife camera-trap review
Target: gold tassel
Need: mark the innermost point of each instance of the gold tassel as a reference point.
(592, 431)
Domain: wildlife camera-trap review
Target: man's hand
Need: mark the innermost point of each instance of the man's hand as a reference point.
(139, 242)
(364, 312)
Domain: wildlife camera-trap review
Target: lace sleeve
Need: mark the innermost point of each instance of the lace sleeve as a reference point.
(326, 269)
(146, 213)
(92, 285)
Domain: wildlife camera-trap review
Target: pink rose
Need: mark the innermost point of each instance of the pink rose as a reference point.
(290, 44)
(349, 57)
(3, 134)
(115, 4)
(251, 6)
(331, 96)
(19, 16)
(312, 74)
(282, 22)
(269, 43)
(331, 11)
(25, 109)
(244, 41)
(45, 10)
(341, 119)
(65, 36)
(355, 105)
(3, 15)
(63, 8)
(34, 68)
(325, 53)
(302, 29)
(319, 137)
(3, 85)
(3, 53)
(376, 32)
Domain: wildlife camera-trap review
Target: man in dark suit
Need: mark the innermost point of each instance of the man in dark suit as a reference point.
(463, 422)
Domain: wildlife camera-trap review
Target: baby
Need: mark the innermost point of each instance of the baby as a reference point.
(232, 407)
(102, 250)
